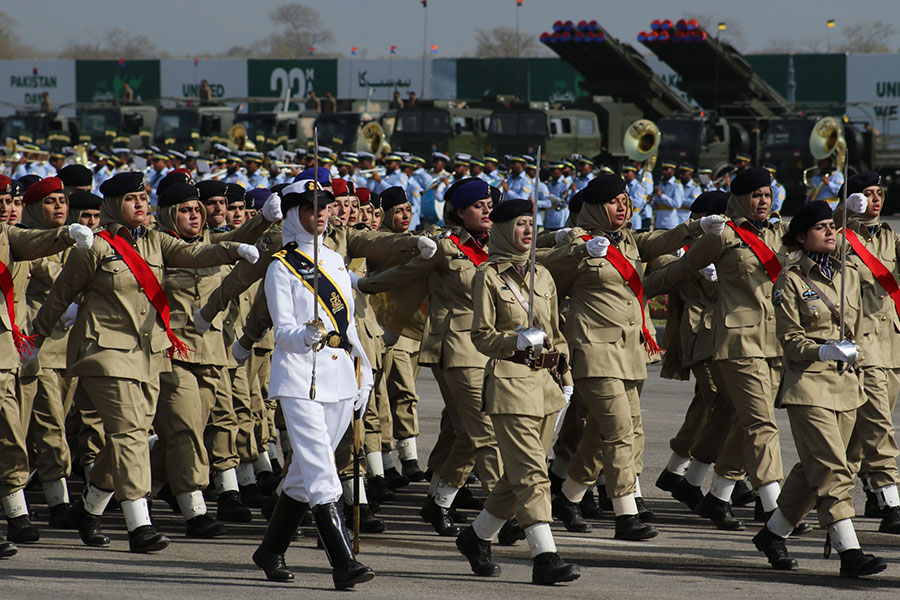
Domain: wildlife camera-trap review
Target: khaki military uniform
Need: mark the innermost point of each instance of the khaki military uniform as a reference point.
(873, 447)
(746, 351)
(118, 347)
(457, 365)
(16, 246)
(821, 403)
(603, 327)
(522, 402)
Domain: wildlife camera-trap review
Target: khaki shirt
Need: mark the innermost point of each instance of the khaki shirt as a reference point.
(512, 388)
(803, 323)
(450, 273)
(879, 336)
(118, 333)
(41, 275)
(18, 245)
(744, 319)
(603, 325)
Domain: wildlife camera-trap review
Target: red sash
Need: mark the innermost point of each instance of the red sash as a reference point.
(471, 249)
(148, 282)
(881, 273)
(24, 343)
(633, 279)
(762, 252)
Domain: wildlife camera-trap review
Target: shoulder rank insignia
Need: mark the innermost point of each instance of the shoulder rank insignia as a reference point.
(778, 297)
(809, 296)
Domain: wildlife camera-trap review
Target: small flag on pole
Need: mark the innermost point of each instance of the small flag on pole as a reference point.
(721, 26)
(829, 23)
(353, 50)
(121, 62)
(196, 61)
(425, 3)
(434, 48)
(518, 2)
(312, 50)
(393, 49)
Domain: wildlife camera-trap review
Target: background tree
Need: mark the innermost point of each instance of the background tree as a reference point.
(867, 37)
(500, 42)
(115, 43)
(300, 26)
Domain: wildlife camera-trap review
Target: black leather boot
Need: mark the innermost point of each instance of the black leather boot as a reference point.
(411, 470)
(478, 552)
(873, 509)
(368, 522)
(204, 527)
(146, 539)
(630, 527)
(589, 507)
(59, 516)
(21, 531)
(719, 512)
(439, 517)
(774, 548)
(742, 494)
(378, 489)
(267, 481)
(231, 509)
(510, 533)
(8, 549)
(251, 496)
(394, 479)
(465, 499)
(854, 563)
(644, 513)
(549, 568)
(759, 514)
(283, 525)
(88, 526)
(570, 514)
(691, 495)
(667, 480)
(890, 520)
(346, 570)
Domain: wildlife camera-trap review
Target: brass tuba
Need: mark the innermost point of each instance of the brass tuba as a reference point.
(826, 138)
(641, 142)
(371, 138)
(237, 135)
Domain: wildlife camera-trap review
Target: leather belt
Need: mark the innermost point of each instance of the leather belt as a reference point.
(547, 360)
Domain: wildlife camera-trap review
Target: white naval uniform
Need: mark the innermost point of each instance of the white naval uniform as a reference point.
(314, 426)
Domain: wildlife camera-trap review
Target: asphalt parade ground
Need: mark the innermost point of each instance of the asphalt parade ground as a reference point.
(689, 558)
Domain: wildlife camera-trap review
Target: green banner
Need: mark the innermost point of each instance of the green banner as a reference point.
(820, 78)
(102, 80)
(270, 77)
(530, 79)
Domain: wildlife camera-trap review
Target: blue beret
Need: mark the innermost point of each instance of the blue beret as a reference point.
(255, 198)
(466, 192)
(324, 175)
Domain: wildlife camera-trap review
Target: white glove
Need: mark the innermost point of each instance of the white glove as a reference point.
(857, 203)
(362, 399)
(842, 351)
(709, 272)
(248, 253)
(354, 279)
(312, 335)
(597, 247)
(70, 315)
(427, 247)
(567, 391)
(679, 253)
(200, 324)
(239, 353)
(562, 233)
(83, 236)
(271, 209)
(713, 224)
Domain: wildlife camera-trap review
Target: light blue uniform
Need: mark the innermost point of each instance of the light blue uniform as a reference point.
(558, 214)
(667, 204)
(106, 173)
(152, 177)
(359, 181)
(236, 177)
(690, 191)
(257, 180)
(377, 186)
(581, 181)
(647, 181)
(828, 192)
(543, 200)
(520, 186)
(778, 195)
(637, 193)
(414, 193)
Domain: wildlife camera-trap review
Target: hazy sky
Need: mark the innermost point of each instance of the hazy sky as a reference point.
(185, 27)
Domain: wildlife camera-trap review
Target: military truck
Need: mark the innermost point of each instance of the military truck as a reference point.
(442, 126)
(197, 127)
(269, 129)
(31, 127)
(128, 126)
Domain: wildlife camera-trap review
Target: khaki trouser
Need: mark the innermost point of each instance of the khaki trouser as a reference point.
(378, 406)
(873, 446)
(401, 372)
(186, 397)
(524, 489)
(126, 407)
(609, 442)
(85, 423)
(750, 385)
(258, 362)
(13, 457)
(47, 431)
(461, 388)
(220, 434)
(245, 442)
(444, 445)
(822, 479)
(571, 428)
(383, 405)
(707, 421)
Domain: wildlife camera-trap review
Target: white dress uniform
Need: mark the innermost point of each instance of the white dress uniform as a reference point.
(315, 427)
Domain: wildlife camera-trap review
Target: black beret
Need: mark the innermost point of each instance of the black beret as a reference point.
(82, 199)
(276, 189)
(711, 203)
(171, 179)
(510, 209)
(861, 181)
(234, 193)
(496, 194)
(210, 188)
(76, 175)
(603, 188)
(393, 196)
(375, 199)
(577, 202)
(123, 183)
(303, 193)
(806, 217)
(176, 193)
(16, 188)
(750, 180)
(27, 181)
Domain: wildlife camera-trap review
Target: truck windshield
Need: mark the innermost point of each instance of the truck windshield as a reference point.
(176, 124)
(430, 121)
(782, 135)
(97, 121)
(337, 126)
(678, 136)
(530, 124)
(17, 125)
(257, 124)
